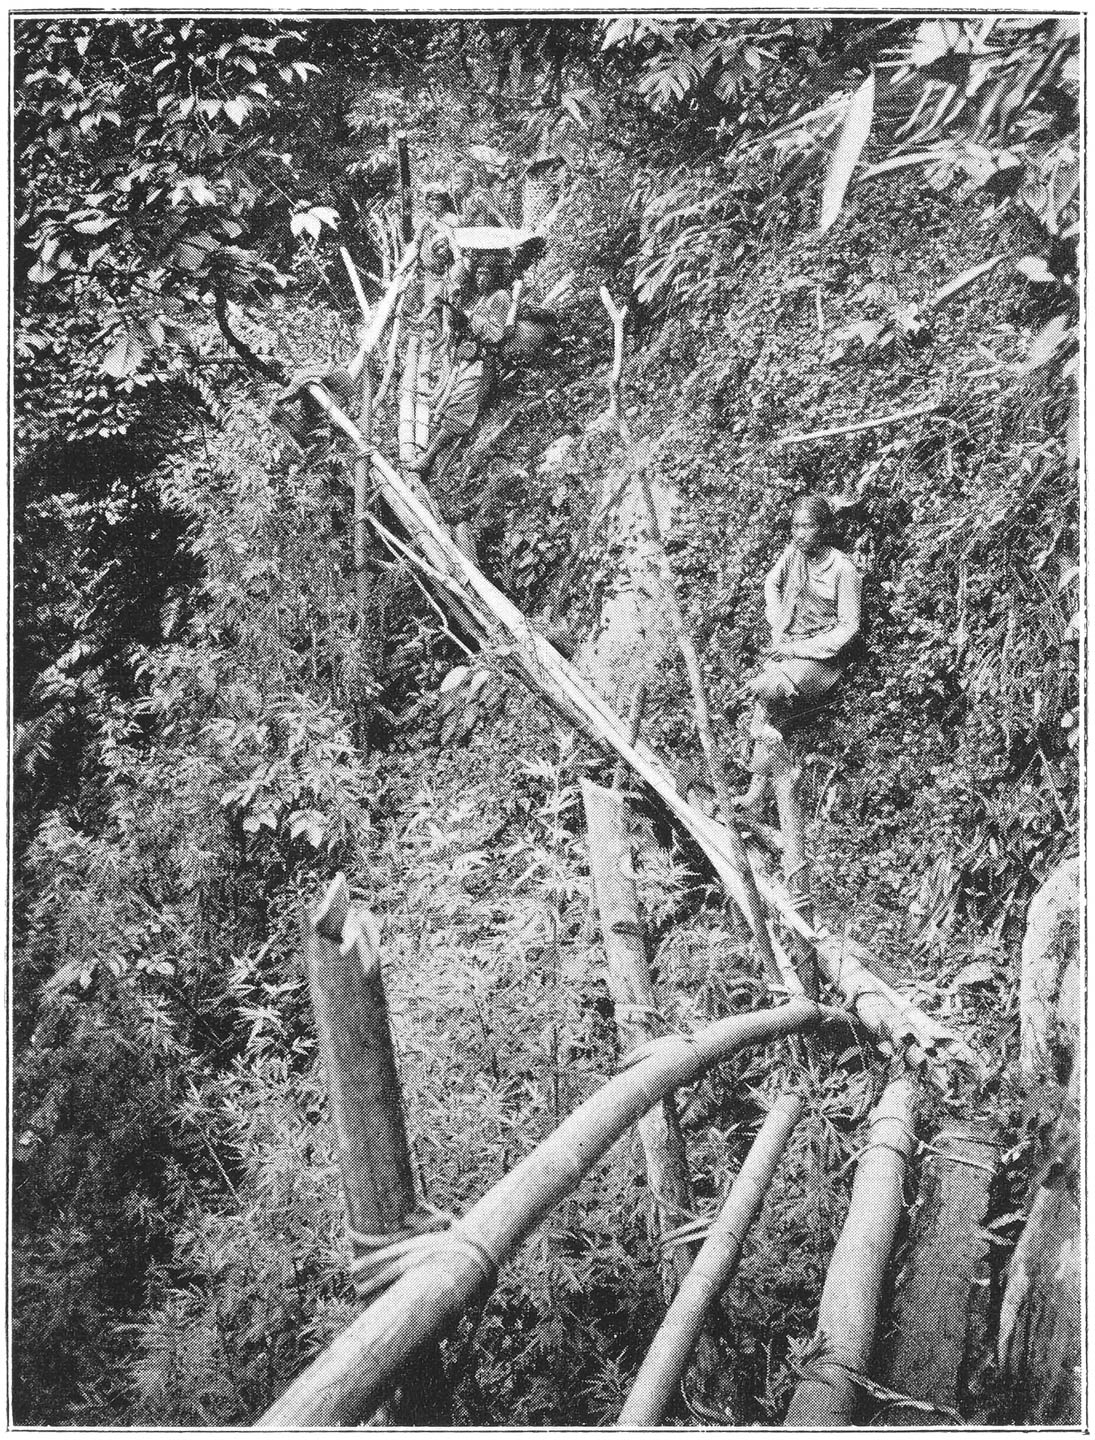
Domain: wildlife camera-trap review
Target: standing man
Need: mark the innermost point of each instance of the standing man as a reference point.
(812, 604)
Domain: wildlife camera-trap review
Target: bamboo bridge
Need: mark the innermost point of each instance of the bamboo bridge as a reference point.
(421, 1274)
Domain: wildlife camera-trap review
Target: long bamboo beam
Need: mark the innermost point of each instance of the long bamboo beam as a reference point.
(848, 1312)
(354, 1372)
(711, 1270)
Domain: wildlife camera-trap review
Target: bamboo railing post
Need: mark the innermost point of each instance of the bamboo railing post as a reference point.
(453, 1269)
(754, 910)
(711, 1271)
(404, 187)
(786, 781)
(634, 721)
(611, 860)
(351, 1013)
(848, 1312)
(365, 424)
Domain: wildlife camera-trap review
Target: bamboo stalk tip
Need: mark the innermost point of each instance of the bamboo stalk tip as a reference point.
(329, 916)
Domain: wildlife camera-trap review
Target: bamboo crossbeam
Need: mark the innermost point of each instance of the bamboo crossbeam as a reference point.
(711, 1271)
(355, 1371)
(848, 1312)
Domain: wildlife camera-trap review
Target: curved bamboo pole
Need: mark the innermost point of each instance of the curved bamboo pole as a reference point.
(848, 1312)
(353, 1374)
(711, 1270)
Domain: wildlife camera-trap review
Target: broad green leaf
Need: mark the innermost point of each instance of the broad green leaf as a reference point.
(125, 357)
(853, 137)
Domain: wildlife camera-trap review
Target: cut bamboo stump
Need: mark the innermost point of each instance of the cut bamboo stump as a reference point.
(711, 1271)
(351, 1012)
(937, 1317)
(611, 861)
(848, 1313)
(362, 1080)
(352, 1375)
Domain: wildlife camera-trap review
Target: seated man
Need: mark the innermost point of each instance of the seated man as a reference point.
(812, 603)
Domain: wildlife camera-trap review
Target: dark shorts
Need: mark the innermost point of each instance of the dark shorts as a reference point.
(792, 683)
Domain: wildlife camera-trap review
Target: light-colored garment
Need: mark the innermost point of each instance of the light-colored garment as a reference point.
(814, 605)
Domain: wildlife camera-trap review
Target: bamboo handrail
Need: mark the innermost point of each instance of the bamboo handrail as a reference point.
(354, 1372)
(711, 1270)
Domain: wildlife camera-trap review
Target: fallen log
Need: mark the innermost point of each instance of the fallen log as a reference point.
(848, 1313)
(450, 1270)
(711, 1270)
(937, 1316)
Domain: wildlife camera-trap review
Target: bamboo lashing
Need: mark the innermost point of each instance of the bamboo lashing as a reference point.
(354, 1372)
(848, 1312)
(711, 1270)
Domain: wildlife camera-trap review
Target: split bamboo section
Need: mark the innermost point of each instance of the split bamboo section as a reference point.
(353, 1375)
(848, 1313)
(711, 1270)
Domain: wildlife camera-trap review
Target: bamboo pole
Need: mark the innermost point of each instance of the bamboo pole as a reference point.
(752, 907)
(353, 1373)
(711, 1271)
(848, 1312)
(753, 910)
(882, 1010)
(611, 862)
(404, 186)
(365, 423)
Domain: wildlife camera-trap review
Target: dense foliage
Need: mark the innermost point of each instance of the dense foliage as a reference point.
(818, 222)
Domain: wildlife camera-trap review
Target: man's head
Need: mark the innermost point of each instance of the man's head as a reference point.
(811, 524)
(437, 200)
(487, 273)
(463, 181)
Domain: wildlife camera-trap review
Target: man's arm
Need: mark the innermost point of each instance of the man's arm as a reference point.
(829, 643)
(773, 598)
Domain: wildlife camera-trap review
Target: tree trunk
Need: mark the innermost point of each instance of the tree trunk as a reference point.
(939, 1311)
(1040, 1340)
(1040, 1343)
(1047, 1033)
